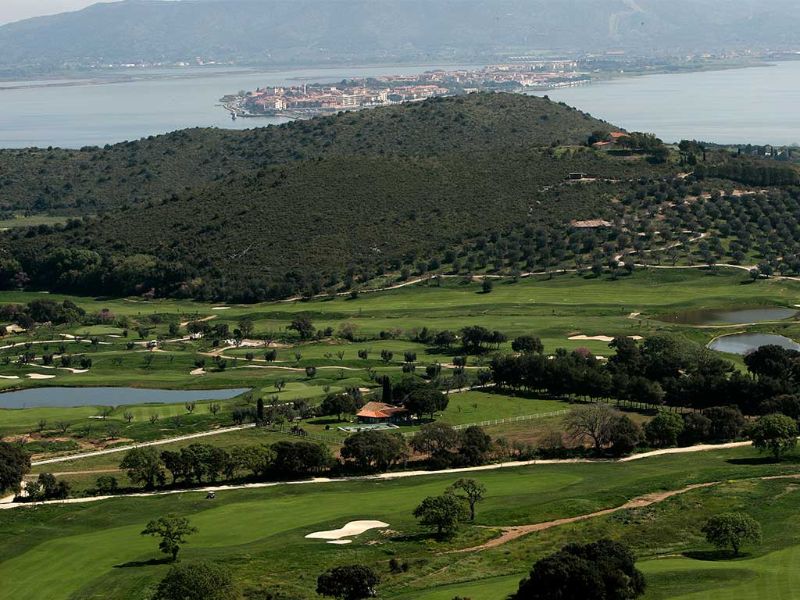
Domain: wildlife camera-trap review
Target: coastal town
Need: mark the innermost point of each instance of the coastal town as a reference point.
(310, 99)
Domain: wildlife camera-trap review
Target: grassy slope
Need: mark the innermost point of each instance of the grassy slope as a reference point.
(259, 533)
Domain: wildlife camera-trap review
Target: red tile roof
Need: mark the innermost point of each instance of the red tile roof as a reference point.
(379, 410)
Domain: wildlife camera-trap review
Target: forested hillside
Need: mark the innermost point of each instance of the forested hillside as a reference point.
(92, 179)
(487, 184)
(301, 207)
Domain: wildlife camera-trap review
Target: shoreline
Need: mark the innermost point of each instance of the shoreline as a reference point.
(121, 75)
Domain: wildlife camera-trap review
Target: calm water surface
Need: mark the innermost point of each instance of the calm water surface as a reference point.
(743, 343)
(731, 317)
(84, 113)
(108, 396)
(758, 105)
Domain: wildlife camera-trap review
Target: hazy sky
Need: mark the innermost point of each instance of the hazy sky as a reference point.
(14, 10)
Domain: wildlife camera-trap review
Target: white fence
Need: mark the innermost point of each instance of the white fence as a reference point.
(555, 413)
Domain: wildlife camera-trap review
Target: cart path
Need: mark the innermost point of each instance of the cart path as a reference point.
(386, 476)
(127, 447)
(512, 533)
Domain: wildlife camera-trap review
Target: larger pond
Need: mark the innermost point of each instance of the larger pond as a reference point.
(744, 343)
(108, 396)
(730, 317)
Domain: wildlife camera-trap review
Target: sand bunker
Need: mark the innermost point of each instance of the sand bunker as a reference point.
(8, 377)
(40, 376)
(221, 308)
(341, 542)
(76, 371)
(351, 529)
(600, 338)
(200, 371)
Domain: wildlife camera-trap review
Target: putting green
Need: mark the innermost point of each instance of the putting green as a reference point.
(775, 576)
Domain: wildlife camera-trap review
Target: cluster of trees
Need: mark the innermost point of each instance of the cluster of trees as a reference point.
(446, 512)
(42, 311)
(363, 451)
(750, 172)
(604, 570)
(15, 463)
(447, 447)
(441, 443)
(198, 463)
(663, 370)
(46, 487)
(737, 223)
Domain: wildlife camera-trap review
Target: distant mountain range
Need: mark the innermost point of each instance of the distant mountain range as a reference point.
(315, 32)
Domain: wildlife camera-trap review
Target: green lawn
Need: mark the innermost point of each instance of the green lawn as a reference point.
(259, 534)
(772, 575)
(554, 309)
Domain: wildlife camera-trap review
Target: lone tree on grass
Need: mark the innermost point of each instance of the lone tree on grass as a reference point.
(444, 513)
(173, 532)
(350, 582)
(197, 581)
(473, 492)
(774, 433)
(603, 569)
(732, 530)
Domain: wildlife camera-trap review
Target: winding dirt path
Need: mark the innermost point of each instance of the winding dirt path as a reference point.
(512, 533)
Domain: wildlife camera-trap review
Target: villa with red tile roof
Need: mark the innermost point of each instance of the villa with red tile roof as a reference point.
(378, 412)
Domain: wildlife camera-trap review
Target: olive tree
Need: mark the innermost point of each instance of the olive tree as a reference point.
(732, 530)
(444, 513)
(473, 491)
(173, 532)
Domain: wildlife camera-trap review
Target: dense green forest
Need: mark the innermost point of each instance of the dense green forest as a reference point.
(93, 179)
(484, 183)
(271, 212)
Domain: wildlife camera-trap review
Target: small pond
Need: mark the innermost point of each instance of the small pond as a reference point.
(730, 317)
(743, 343)
(107, 396)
